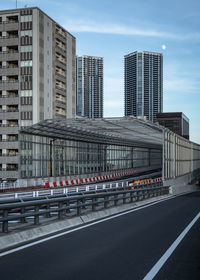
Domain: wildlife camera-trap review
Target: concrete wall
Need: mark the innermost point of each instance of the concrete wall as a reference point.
(181, 159)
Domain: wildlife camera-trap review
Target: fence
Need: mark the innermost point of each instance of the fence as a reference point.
(80, 188)
(19, 210)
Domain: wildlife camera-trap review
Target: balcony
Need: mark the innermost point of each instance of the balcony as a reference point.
(9, 25)
(61, 36)
(9, 159)
(9, 100)
(60, 103)
(60, 50)
(9, 55)
(9, 114)
(8, 174)
(60, 64)
(10, 153)
(8, 144)
(60, 91)
(60, 77)
(60, 112)
(9, 85)
(9, 40)
(9, 129)
(9, 70)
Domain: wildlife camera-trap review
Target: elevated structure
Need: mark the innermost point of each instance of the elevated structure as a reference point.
(59, 150)
(37, 77)
(83, 147)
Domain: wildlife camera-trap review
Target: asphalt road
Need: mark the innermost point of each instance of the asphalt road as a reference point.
(126, 247)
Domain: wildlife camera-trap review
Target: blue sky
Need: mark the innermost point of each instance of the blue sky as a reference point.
(112, 29)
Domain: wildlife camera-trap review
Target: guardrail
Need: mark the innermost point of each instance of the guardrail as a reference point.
(19, 210)
(64, 190)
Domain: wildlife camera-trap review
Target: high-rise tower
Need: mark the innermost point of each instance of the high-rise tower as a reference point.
(143, 77)
(89, 87)
(37, 77)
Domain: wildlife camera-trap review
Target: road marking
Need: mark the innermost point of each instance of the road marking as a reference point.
(155, 269)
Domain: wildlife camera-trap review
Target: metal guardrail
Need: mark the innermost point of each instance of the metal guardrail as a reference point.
(63, 190)
(19, 210)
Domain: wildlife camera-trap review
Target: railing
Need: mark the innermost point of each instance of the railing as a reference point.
(10, 51)
(19, 210)
(9, 66)
(7, 125)
(9, 96)
(8, 140)
(9, 22)
(59, 74)
(9, 37)
(8, 81)
(9, 155)
(6, 111)
(59, 100)
(8, 169)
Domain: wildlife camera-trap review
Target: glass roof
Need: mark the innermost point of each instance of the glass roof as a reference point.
(122, 131)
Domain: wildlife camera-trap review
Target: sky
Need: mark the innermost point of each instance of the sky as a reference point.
(112, 29)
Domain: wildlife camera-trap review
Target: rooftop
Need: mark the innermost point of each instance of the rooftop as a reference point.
(13, 11)
(143, 52)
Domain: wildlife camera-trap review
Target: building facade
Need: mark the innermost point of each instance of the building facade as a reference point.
(143, 84)
(176, 122)
(89, 87)
(37, 77)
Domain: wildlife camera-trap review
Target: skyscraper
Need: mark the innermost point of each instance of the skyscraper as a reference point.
(143, 81)
(37, 77)
(89, 86)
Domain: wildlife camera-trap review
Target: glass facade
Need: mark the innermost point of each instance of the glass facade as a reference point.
(47, 157)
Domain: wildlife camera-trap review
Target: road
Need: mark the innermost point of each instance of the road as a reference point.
(125, 247)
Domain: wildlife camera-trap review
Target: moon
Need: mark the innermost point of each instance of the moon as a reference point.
(164, 47)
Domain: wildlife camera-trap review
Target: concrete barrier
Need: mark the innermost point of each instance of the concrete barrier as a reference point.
(180, 185)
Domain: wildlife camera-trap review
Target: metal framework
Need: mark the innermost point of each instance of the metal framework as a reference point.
(180, 156)
(119, 131)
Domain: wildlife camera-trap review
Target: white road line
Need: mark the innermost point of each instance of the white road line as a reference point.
(155, 269)
(81, 227)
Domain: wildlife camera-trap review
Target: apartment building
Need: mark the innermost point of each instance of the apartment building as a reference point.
(89, 87)
(143, 81)
(37, 77)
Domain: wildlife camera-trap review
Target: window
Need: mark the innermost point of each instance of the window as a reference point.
(26, 93)
(26, 122)
(26, 33)
(26, 18)
(26, 78)
(26, 63)
(26, 48)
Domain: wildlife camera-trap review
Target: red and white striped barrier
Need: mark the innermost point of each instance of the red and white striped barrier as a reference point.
(72, 182)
